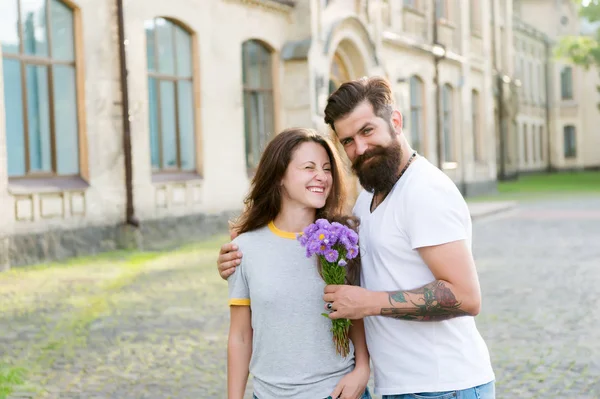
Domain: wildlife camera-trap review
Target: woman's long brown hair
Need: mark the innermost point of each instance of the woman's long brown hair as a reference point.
(263, 202)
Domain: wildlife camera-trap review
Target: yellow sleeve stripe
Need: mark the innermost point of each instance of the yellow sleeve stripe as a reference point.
(239, 302)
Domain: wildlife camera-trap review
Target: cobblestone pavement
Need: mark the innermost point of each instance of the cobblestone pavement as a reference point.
(539, 268)
(155, 325)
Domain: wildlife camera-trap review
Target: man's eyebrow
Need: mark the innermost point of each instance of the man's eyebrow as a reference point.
(363, 127)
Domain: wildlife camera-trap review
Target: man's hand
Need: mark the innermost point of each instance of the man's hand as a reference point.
(348, 301)
(229, 258)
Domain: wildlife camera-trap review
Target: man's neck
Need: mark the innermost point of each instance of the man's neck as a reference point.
(406, 153)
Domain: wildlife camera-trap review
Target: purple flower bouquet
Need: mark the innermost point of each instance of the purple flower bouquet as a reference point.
(334, 244)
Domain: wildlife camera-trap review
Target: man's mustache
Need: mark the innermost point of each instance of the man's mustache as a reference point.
(358, 162)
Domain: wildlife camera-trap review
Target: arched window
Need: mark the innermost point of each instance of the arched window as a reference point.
(416, 112)
(40, 91)
(338, 74)
(171, 98)
(259, 113)
(476, 124)
(447, 123)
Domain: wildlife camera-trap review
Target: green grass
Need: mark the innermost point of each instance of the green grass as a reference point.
(555, 182)
(70, 333)
(10, 378)
(540, 186)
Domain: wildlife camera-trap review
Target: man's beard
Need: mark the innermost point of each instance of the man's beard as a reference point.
(380, 173)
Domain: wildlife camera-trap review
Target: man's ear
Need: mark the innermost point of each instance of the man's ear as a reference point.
(397, 120)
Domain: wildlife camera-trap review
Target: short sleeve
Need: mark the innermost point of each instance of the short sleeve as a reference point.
(239, 293)
(436, 215)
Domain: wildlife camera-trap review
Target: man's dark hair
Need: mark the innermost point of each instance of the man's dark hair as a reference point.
(375, 90)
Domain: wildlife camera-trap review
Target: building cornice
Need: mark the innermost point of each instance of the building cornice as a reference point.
(523, 27)
(283, 6)
(404, 41)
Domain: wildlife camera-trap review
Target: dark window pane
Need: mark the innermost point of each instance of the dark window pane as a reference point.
(266, 80)
(268, 119)
(9, 27)
(251, 64)
(150, 45)
(183, 42)
(35, 30)
(153, 123)
(185, 103)
(65, 120)
(253, 131)
(166, 52)
(38, 119)
(167, 113)
(62, 31)
(13, 101)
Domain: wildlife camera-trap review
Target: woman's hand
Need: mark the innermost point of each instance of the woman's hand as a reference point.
(353, 385)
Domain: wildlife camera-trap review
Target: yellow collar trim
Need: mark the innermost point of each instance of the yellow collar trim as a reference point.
(281, 233)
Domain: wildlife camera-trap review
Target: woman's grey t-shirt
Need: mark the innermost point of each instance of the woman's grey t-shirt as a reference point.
(293, 355)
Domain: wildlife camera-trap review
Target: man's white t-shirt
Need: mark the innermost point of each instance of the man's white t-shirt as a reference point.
(423, 209)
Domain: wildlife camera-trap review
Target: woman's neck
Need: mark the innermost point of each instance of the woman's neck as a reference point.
(294, 219)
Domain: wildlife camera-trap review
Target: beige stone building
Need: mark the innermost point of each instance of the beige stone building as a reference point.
(141, 122)
(557, 117)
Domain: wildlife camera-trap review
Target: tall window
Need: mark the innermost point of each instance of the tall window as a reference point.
(570, 144)
(171, 99)
(542, 84)
(258, 99)
(447, 122)
(416, 112)
(40, 91)
(541, 143)
(476, 124)
(566, 83)
(525, 144)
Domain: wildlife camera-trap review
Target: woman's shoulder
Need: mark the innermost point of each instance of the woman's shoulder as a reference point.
(251, 238)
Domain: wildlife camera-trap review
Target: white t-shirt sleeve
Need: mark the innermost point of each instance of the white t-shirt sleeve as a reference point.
(436, 214)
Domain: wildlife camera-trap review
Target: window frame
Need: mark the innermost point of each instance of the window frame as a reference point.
(174, 78)
(50, 63)
(271, 89)
(569, 141)
(566, 83)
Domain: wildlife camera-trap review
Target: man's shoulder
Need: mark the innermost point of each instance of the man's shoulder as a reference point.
(431, 187)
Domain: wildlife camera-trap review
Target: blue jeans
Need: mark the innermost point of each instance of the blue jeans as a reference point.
(485, 391)
(366, 395)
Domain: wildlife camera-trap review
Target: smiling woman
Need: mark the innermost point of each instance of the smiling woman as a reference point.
(298, 180)
(301, 162)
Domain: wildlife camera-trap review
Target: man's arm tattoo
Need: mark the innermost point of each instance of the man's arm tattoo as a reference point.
(432, 302)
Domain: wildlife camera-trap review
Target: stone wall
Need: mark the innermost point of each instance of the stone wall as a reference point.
(60, 244)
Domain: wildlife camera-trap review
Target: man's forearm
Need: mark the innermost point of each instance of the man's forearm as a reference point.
(433, 302)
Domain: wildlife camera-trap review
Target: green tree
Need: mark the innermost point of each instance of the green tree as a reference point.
(583, 50)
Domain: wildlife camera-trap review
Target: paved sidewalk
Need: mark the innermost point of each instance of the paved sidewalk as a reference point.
(483, 209)
(155, 325)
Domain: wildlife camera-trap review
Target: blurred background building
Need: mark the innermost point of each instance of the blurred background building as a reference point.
(141, 122)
